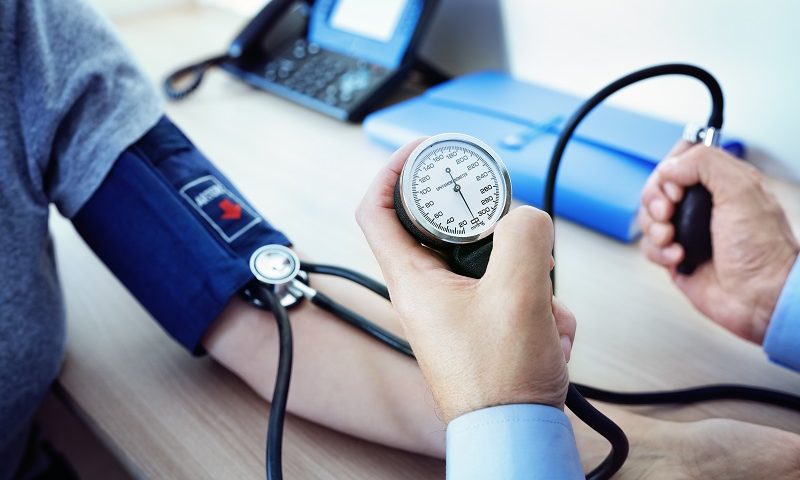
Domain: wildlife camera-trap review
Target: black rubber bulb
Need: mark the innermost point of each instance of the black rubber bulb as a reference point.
(692, 221)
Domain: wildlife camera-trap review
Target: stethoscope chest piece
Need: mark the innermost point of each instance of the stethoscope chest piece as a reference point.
(279, 266)
(274, 264)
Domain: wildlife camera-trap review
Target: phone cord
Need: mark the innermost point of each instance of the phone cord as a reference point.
(185, 80)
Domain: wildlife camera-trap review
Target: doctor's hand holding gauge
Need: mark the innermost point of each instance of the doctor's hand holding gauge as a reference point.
(493, 356)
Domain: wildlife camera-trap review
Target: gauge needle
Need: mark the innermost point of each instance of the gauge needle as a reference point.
(457, 188)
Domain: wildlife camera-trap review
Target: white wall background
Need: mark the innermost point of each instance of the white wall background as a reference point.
(455, 46)
(580, 45)
(751, 47)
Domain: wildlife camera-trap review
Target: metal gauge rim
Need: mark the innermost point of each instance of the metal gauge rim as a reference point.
(405, 179)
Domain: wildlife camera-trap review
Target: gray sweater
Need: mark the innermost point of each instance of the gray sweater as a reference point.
(71, 100)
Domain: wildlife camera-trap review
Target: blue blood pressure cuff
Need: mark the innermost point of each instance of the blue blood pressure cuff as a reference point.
(175, 231)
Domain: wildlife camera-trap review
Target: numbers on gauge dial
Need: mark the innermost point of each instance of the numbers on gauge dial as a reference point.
(456, 189)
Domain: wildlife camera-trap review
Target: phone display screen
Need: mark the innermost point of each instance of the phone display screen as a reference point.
(376, 20)
(376, 31)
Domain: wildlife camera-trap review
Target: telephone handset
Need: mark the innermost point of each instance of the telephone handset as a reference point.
(339, 57)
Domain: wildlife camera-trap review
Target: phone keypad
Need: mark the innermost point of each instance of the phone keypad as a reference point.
(327, 76)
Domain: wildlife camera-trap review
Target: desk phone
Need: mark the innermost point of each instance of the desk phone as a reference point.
(339, 57)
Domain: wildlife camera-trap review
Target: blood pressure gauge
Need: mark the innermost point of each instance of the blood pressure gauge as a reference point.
(451, 193)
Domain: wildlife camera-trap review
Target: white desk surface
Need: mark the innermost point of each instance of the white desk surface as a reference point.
(168, 415)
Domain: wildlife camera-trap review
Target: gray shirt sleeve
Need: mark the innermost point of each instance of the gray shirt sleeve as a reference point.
(81, 100)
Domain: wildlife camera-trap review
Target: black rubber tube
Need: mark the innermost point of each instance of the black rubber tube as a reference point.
(605, 427)
(578, 405)
(359, 278)
(714, 120)
(280, 395)
(352, 318)
(694, 395)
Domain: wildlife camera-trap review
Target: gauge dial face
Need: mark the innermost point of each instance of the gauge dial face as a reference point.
(455, 188)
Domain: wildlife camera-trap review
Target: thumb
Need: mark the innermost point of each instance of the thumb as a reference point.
(522, 250)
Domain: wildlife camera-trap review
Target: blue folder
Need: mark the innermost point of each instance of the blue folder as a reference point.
(604, 167)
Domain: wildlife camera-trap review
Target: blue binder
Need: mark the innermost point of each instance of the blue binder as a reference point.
(602, 172)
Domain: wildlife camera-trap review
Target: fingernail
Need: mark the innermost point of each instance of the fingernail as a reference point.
(673, 191)
(566, 346)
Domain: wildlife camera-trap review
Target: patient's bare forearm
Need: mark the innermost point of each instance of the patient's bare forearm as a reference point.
(341, 378)
(351, 383)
